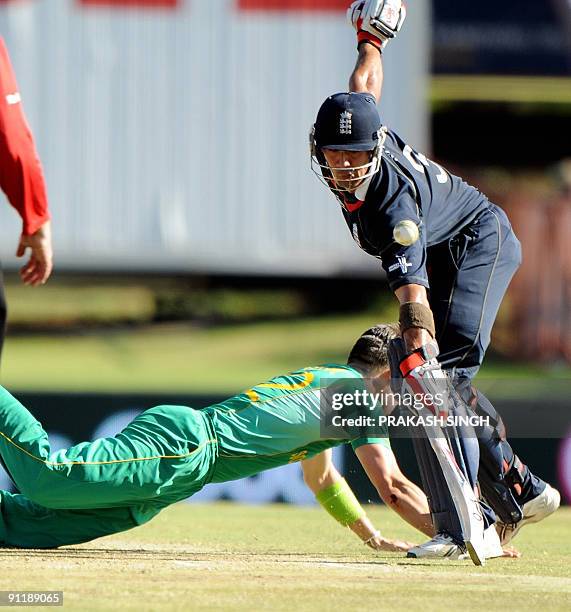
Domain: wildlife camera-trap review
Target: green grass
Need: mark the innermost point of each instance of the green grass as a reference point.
(176, 358)
(232, 557)
(112, 346)
(85, 302)
(186, 359)
(59, 304)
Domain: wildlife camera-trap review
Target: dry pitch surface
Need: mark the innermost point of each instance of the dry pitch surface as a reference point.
(232, 557)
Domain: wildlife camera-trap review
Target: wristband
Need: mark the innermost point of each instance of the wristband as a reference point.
(415, 314)
(363, 37)
(340, 502)
(377, 534)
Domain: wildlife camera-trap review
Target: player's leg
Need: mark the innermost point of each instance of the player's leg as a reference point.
(166, 453)
(516, 494)
(506, 482)
(454, 508)
(481, 262)
(462, 274)
(25, 524)
(439, 497)
(463, 443)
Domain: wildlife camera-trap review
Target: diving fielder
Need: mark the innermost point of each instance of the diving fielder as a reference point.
(449, 269)
(168, 453)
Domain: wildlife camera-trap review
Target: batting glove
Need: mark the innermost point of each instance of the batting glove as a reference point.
(424, 376)
(376, 21)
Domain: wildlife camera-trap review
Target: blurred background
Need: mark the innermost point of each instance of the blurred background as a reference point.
(196, 254)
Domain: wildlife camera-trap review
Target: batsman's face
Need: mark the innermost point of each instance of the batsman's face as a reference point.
(348, 167)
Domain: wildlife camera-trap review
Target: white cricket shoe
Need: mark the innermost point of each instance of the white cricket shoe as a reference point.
(533, 511)
(442, 546)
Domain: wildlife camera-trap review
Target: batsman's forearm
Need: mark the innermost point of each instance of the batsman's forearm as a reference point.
(410, 503)
(414, 337)
(367, 76)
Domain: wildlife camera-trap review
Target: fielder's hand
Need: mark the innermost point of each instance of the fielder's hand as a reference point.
(376, 21)
(39, 266)
(377, 542)
(511, 553)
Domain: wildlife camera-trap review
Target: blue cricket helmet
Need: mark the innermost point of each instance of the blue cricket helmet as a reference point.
(348, 122)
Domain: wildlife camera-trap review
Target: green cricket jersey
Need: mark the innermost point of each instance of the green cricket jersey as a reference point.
(166, 454)
(276, 422)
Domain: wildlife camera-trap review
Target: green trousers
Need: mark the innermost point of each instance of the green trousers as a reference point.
(97, 488)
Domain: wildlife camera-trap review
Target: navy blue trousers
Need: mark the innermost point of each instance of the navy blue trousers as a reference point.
(469, 275)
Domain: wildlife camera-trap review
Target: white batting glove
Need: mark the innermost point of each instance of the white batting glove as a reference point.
(376, 21)
(424, 376)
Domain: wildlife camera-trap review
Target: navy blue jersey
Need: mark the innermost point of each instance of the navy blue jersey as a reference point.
(409, 186)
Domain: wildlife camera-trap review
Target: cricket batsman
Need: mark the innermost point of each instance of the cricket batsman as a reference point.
(449, 255)
(168, 453)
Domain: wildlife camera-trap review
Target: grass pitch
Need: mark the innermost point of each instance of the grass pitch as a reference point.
(231, 557)
(218, 360)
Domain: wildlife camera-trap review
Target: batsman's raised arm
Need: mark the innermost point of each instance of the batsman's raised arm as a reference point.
(376, 22)
(367, 76)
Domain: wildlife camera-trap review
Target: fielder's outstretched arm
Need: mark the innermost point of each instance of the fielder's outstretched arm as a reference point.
(395, 489)
(336, 497)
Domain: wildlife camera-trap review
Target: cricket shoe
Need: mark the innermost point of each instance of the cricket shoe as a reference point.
(442, 546)
(536, 510)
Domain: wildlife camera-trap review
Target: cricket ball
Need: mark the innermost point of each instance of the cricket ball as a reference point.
(406, 232)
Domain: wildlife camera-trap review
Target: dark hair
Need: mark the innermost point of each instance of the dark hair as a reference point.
(371, 349)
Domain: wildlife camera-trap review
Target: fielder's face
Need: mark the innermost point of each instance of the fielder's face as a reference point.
(348, 167)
